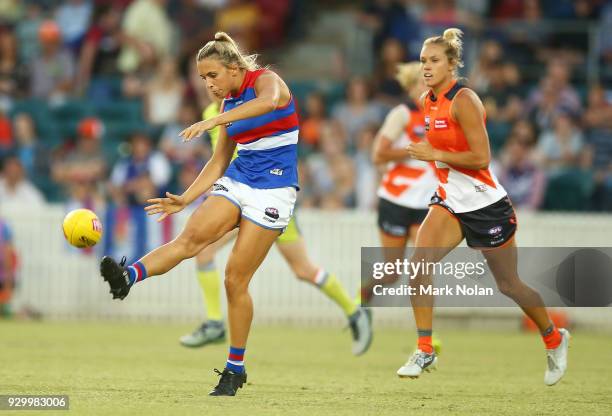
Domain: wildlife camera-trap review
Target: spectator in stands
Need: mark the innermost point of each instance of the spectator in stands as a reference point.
(605, 40)
(392, 19)
(82, 168)
(73, 17)
(144, 174)
(52, 71)
(241, 19)
(527, 35)
(598, 121)
(8, 65)
(173, 146)
(313, 121)
(388, 90)
(332, 172)
(501, 100)
(164, 93)
(560, 147)
(147, 35)
(16, 191)
(26, 31)
(101, 46)
(366, 181)
(489, 56)
(524, 181)
(33, 154)
(8, 267)
(6, 135)
(196, 23)
(554, 94)
(357, 111)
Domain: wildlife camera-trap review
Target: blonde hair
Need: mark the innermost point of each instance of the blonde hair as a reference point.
(453, 45)
(408, 74)
(224, 49)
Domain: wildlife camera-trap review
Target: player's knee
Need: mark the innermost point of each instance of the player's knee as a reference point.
(190, 244)
(236, 281)
(304, 271)
(508, 288)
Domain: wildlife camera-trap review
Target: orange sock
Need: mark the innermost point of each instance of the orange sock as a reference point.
(424, 344)
(551, 337)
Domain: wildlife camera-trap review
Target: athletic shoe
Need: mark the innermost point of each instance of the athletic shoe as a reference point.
(117, 276)
(557, 360)
(229, 383)
(210, 332)
(419, 361)
(361, 329)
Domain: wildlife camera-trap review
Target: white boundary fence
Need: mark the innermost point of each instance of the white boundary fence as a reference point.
(66, 285)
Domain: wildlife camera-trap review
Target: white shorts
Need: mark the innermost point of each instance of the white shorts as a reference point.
(268, 208)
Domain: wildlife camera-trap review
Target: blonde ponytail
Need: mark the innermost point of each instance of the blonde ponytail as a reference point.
(225, 49)
(453, 45)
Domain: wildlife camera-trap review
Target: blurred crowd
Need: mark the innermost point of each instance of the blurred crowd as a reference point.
(93, 94)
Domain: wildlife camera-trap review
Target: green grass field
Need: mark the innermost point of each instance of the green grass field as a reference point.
(140, 369)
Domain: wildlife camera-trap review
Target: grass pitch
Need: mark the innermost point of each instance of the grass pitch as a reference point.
(140, 369)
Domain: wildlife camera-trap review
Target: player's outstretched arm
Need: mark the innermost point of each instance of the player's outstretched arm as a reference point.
(213, 170)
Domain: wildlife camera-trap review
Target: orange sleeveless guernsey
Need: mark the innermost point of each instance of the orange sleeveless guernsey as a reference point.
(463, 190)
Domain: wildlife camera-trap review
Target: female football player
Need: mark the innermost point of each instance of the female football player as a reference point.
(407, 185)
(255, 192)
(293, 249)
(468, 203)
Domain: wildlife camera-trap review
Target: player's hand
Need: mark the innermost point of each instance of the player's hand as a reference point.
(167, 206)
(422, 151)
(198, 128)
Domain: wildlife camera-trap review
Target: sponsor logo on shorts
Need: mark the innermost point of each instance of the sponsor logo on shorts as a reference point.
(219, 187)
(480, 188)
(277, 172)
(271, 214)
(495, 230)
(440, 124)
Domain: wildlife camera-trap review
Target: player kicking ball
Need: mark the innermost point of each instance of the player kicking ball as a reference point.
(293, 249)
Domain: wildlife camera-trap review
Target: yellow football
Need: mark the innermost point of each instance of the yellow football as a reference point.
(82, 228)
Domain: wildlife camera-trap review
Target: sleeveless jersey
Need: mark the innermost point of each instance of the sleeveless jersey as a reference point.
(462, 189)
(409, 183)
(266, 144)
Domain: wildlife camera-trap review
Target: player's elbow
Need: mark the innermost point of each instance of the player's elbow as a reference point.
(270, 103)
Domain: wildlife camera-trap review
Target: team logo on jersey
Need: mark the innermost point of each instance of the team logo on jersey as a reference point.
(277, 172)
(440, 124)
(271, 214)
(495, 230)
(427, 123)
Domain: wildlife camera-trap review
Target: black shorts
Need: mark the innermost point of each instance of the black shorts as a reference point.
(488, 227)
(396, 220)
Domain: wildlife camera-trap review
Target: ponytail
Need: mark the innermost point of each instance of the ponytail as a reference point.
(225, 49)
(452, 41)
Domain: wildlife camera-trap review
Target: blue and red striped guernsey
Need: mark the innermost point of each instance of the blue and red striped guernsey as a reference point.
(267, 144)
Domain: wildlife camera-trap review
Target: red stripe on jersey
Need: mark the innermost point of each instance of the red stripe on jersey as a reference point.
(268, 129)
